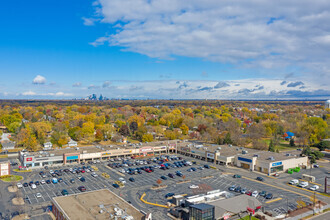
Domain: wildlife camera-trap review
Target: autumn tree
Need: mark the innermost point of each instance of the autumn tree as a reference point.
(147, 138)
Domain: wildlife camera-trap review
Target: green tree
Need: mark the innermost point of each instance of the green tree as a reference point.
(292, 144)
(271, 146)
(147, 138)
(227, 139)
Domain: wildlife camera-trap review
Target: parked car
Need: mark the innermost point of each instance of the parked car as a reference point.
(263, 193)
(48, 181)
(122, 180)
(303, 184)
(171, 175)
(169, 195)
(243, 191)
(260, 178)
(193, 187)
(207, 166)
(163, 177)
(269, 196)
(42, 182)
(65, 192)
(82, 188)
(294, 182)
(115, 185)
(19, 185)
(238, 189)
(72, 181)
(33, 186)
(82, 179)
(255, 193)
(131, 179)
(314, 188)
(249, 193)
(25, 184)
(38, 195)
(316, 165)
(232, 188)
(237, 176)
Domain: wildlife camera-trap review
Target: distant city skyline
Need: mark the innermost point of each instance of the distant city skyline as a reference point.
(171, 49)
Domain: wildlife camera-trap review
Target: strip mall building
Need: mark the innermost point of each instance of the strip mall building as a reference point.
(246, 158)
(250, 159)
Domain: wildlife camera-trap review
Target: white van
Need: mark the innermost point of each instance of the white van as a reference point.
(294, 182)
(303, 184)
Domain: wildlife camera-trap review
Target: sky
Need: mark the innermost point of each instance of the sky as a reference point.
(165, 49)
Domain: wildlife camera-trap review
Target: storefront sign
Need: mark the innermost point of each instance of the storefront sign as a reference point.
(276, 164)
(127, 151)
(185, 149)
(244, 159)
(29, 159)
(106, 154)
(72, 157)
(210, 155)
(145, 149)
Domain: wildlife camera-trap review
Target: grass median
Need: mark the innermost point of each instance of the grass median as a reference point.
(11, 178)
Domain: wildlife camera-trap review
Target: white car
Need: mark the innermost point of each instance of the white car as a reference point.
(255, 194)
(193, 187)
(122, 180)
(94, 174)
(51, 171)
(87, 170)
(42, 181)
(294, 182)
(19, 185)
(303, 184)
(122, 171)
(314, 188)
(33, 186)
(38, 195)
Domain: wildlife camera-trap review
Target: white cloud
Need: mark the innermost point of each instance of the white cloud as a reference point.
(76, 84)
(89, 21)
(58, 94)
(39, 80)
(28, 93)
(106, 84)
(253, 34)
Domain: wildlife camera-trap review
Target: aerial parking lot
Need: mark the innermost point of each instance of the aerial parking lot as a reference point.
(130, 178)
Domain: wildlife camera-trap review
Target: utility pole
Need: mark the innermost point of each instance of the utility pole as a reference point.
(314, 203)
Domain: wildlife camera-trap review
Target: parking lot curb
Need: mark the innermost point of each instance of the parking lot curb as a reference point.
(187, 181)
(306, 190)
(150, 203)
(207, 177)
(274, 200)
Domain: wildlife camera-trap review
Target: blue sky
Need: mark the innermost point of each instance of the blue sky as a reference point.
(164, 49)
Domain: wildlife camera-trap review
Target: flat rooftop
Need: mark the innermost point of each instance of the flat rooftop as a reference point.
(265, 156)
(225, 150)
(88, 205)
(97, 148)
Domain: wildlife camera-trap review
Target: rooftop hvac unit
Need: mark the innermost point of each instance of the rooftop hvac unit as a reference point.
(219, 148)
(271, 158)
(229, 145)
(256, 155)
(241, 148)
(244, 151)
(237, 148)
(287, 155)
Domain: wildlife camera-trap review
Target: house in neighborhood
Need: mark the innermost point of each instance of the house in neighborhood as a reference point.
(48, 146)
(7, 145)
(288, 135)
(72, 143)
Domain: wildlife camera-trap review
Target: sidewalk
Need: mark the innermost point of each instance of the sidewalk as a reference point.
(308, 214)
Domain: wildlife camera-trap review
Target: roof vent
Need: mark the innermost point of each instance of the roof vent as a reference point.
(287, 155)
(271, 158)
(256, 155)
(244, 151)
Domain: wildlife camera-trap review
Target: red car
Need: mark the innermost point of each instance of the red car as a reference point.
(249, 193)
(83, 171)
(82, 188)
